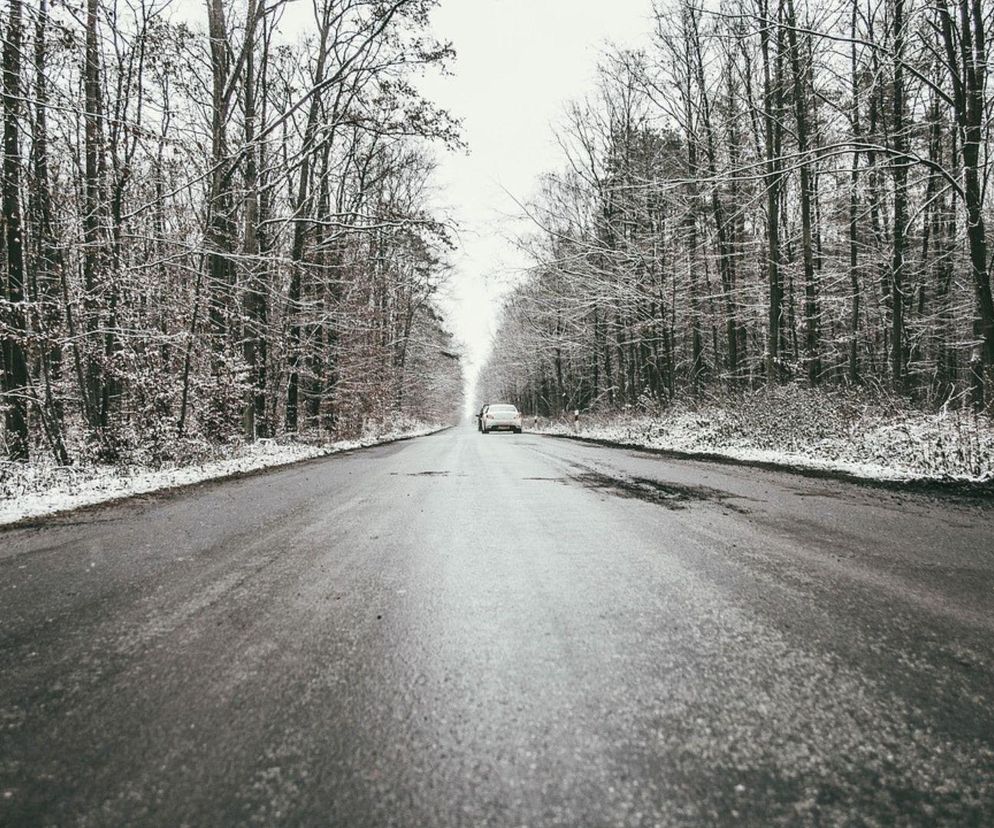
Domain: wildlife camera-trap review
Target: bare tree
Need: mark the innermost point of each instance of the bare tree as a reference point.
(15, 329)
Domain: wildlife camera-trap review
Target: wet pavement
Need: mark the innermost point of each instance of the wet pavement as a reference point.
(501, 630)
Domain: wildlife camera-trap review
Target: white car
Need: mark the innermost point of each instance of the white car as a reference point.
(500, 417)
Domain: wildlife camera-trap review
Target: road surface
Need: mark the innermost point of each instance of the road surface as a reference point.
(501, 630)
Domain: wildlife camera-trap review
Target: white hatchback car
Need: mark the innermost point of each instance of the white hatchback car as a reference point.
(500, 417)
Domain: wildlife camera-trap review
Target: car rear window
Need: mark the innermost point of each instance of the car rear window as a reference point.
(503, 409)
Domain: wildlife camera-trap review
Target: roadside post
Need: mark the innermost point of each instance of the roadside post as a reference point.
(576, 419)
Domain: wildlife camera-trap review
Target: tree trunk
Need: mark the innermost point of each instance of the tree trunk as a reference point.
(772, 106)
(254, 299)
(300, 226)
(15, 329)
(900, 204)
(93, 393)
(726, 267)
(221, 230)
(854, 274)
(967, 67)
(48, 260)
(812, 334)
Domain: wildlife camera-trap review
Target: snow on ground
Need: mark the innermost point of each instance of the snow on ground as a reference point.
(811, 432)
(42, 487)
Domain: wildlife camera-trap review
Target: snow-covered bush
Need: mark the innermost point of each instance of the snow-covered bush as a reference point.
(856, 431)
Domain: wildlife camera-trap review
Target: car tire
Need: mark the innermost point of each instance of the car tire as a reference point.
(517, 431)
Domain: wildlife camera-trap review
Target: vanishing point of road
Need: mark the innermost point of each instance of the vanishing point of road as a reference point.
(501, 630)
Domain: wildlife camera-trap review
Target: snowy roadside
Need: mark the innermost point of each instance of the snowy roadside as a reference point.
(950, 447)
(44, 488)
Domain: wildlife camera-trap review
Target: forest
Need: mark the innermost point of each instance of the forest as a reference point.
(218, 233)
(773, 194)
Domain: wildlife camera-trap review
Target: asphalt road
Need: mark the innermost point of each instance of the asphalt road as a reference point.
(501, 630)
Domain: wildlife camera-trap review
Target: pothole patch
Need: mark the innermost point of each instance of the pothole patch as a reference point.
(671, 495)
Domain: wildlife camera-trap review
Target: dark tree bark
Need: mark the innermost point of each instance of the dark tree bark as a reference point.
(15, 330)
(966, 57)
(48, 261)
(301, 224)
(812, 320)
(93, 258)
(221, 225)
(854, 271)
(723, 230)
(900, 166)
(255, 299)
(690, 228)
(772, 109)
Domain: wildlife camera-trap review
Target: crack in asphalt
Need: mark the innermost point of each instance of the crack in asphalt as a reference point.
(429, 473)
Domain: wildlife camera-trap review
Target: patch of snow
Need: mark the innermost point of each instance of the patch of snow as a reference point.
(820, 434)
(43, 488)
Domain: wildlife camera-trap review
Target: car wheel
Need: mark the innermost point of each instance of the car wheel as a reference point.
(517, 431)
